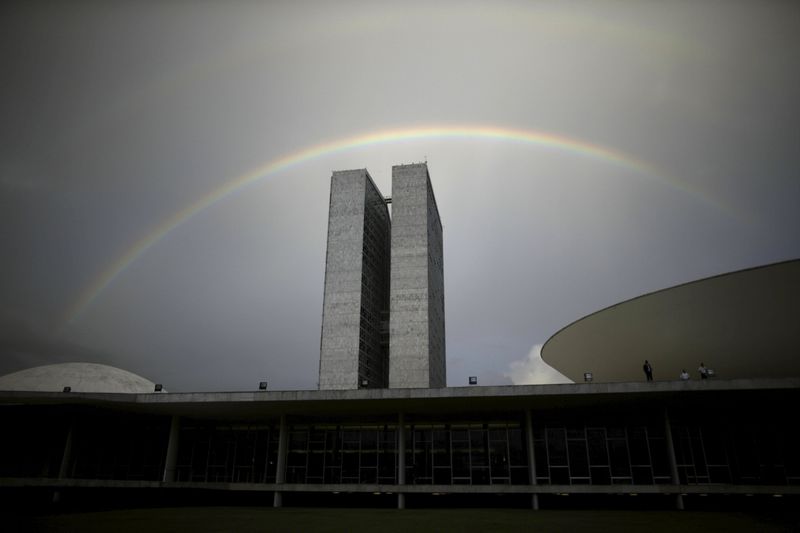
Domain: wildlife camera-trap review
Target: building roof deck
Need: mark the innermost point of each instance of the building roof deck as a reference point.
(427, 402)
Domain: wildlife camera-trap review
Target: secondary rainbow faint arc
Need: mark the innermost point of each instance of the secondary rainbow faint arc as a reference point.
(538, 138)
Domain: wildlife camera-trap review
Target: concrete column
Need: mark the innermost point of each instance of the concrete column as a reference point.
(673, 462)
(280, 473)
(172, 449)
(66, 460)
(531, 458)
(401, 459)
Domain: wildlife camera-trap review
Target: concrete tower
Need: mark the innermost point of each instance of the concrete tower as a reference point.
(354, 351)
(416, 330)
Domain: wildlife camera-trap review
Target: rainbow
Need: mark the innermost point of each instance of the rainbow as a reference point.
(536, 138)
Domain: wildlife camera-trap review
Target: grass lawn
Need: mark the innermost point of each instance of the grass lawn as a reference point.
(250, 519)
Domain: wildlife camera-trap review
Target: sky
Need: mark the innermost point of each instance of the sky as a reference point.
(165, 169)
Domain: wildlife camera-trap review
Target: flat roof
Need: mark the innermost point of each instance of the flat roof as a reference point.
(360, 404)
(743, 324)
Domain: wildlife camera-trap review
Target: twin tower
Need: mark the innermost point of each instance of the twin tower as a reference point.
(383, 310)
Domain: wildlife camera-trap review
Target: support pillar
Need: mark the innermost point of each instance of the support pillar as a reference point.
(280, 473)
(673, 462)
(171, 459)
(531, 458)
(66, 460)
(401, 459)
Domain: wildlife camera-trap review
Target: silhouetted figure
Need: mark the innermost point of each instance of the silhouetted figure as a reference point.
(648, 370)
(684, 375)
(703, 371)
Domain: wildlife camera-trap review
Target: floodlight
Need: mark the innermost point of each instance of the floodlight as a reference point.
(588, 377)
(159, 387)
(262, 385)
(473, 380)
(67, 389)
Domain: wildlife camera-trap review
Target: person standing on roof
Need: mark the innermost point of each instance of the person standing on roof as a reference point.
(648, 370)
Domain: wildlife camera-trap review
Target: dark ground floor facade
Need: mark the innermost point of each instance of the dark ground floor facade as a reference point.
(660, 445)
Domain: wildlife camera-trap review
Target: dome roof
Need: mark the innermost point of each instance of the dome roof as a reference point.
(741, 324)
(80, 377)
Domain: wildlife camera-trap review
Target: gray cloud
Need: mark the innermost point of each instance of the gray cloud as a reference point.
(534, 371)
(123, 115)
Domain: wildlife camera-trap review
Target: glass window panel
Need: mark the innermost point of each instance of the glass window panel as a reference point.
(369, 459)
(519, 475)
(559, 475)
(298, 439)
(516, 448)
(498, 456)
(600, 475)
(459, 435)
(615, 432)
(422, 436)
(496, 434)
(477, 439)
(719, 474)
(315, 464)
(350, 465)
(684, 473)
(618, 453)
(679, 436)
(316, 436)
(598, 452)
(441, 476)
(697, 452)
(480, 476)
(461, 459)
(746, 457)
(369, 440)
(369, 475)
(557, 446)
(387, 467)
(660, 457)
(575, 432)
(296, 459)
(333, 475)
(441, 457)
(637, 446)
(540, 457)
(714, 444)
(578, 461)
(479, 453)
(642, 475)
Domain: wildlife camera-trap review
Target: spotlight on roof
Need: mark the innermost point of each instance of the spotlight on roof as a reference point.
(710, 372)
(67, 389)
(159, 387)
(262, 385)
(588, 377)
(473, 380)
(364, 383)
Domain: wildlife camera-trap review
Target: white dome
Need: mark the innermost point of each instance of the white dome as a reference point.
(80, 377)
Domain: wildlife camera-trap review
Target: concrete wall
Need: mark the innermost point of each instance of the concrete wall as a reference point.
(357, 257)
(338, 364)
(417, 351)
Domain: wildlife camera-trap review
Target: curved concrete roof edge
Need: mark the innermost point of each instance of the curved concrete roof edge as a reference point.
(545, 355)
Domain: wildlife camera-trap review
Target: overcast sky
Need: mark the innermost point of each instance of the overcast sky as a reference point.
(641, 145)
